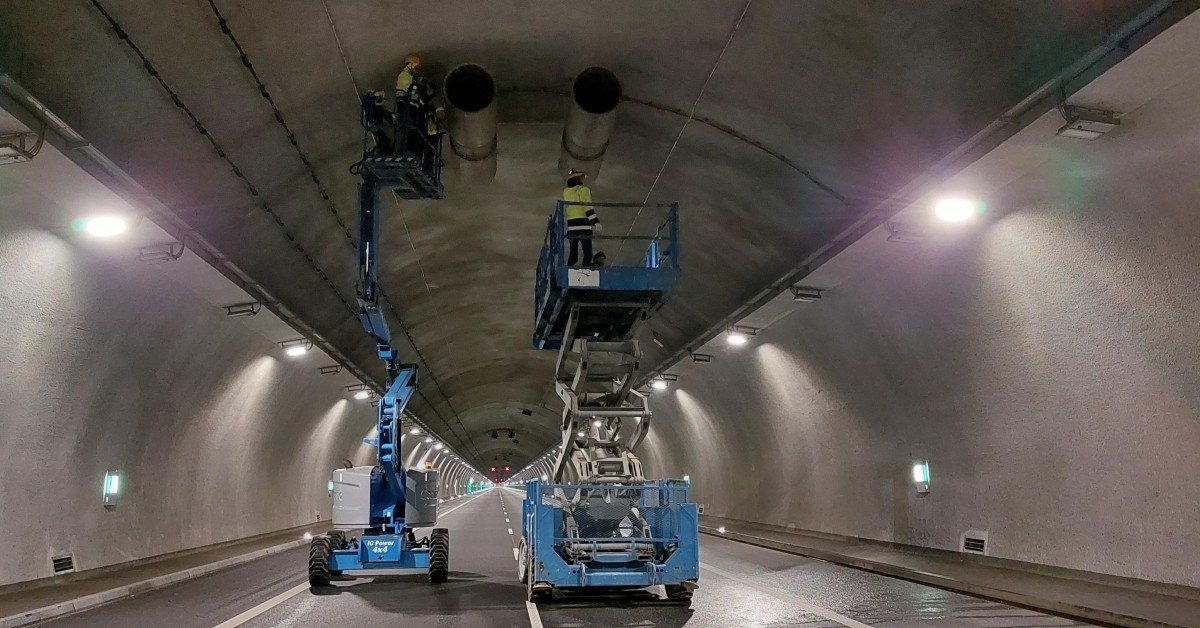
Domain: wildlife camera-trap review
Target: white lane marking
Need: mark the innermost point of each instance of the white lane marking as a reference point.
(506, 520)
(510, 531)
(264, 607)
(535, 620)
(787, 597)
(444, 514)
(515, 554)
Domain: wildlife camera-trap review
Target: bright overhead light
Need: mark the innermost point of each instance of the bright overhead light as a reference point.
(105, 226)
(308, 536)
(736, 338)
(597, 423)
(581, 434)
(296, 347)
(956, 209)
(659, 384)
(438, 446)
(362, 394)
(429, 440)
(414, 431)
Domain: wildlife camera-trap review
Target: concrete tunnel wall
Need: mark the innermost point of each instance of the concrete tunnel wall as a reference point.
(112, 365)
(1043, 361)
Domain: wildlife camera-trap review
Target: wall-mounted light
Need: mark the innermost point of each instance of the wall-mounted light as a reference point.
(112, 488)
(800, 294)
(957, 209)
(297, 347)
(243, 310)
(159, 253)
(903, 232)
(700, 358)
(105, 226)
(360, 391)
(656, 339)
(740, 335)
(439, 447)
(597, 423)
(581, 434)
(1085, 123)
(920, 477)
(416, 431)
(429, 440)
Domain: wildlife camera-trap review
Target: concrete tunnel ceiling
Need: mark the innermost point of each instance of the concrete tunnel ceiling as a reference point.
(242, 117)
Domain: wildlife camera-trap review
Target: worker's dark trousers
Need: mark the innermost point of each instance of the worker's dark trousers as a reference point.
(584, 238)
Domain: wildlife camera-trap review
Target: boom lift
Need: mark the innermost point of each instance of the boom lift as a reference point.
(598, 522)
(384, 503)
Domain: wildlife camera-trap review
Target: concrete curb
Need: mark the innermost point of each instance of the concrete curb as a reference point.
(1056, 607)
(158, 582)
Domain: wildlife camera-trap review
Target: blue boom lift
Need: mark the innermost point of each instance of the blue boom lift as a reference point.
(598, 523)
(383, 504)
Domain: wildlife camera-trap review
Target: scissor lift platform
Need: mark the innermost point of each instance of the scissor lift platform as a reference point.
(616, 296)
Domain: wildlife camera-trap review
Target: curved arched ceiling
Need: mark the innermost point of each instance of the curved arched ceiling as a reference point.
(803, 115)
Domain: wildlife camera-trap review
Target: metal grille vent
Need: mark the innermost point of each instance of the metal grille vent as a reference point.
(975, 542)
(63, 564)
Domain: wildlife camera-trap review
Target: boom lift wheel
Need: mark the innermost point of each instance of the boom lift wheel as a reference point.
(318, 562)
(337, 541)
(439, 555)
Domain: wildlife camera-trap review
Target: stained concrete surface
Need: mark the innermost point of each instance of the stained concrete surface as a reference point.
(860, 96)
(1042, 359)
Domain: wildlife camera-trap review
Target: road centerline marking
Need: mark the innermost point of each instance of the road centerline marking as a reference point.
(790, 598)
(535, 620)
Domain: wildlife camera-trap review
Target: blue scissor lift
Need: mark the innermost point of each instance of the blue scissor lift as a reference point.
(599, 523)
(381, 505)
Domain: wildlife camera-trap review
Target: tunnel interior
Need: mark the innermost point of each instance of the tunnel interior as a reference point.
(1033, 358)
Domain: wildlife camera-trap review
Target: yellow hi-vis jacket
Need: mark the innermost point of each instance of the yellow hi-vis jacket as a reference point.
(579, 217)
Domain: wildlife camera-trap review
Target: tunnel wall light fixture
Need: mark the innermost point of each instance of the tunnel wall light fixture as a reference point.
(160, 253)
(800, 294)
(740, 334)
(904, 232)
(701, 358)
(297, 347)
(920, 477)
(1086, 123)
(105, 226)
(113, 482)
(332, 369)
(243, 310)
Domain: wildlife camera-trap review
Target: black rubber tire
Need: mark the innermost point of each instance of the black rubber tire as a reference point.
(530, 594)
(679, 593)
(318, 562)
(439, 555)
(523, 562)
(337, 541)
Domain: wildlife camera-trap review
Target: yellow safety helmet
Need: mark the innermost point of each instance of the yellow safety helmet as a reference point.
(413, 60)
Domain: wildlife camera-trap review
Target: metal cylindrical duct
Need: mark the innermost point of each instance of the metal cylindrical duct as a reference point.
(590, 121)
(471, 120)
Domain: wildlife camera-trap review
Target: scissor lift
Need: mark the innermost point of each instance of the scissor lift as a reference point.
(598, 522)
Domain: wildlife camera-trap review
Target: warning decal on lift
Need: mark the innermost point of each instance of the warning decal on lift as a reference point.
(583, 277)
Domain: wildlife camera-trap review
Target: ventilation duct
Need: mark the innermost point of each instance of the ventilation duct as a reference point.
(471, 119)
(590, 121)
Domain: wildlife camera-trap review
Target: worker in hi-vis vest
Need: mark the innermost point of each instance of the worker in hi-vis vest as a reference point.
(582, 220)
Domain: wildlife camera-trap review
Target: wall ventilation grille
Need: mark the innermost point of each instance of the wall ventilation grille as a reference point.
(63, 564)
(975, 542)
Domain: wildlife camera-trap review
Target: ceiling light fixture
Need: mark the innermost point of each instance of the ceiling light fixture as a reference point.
(242, 310)
(801, 294)
(956, 209)
(297, 347)
(105, 226)
(1085, 123)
